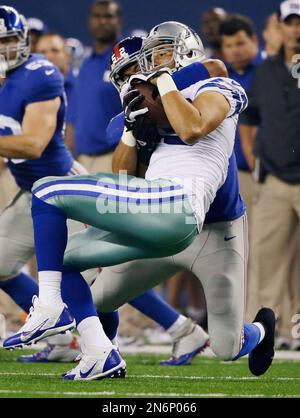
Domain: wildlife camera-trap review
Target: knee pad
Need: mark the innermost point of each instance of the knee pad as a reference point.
(225, 344)
(219, 294)
(10, 265)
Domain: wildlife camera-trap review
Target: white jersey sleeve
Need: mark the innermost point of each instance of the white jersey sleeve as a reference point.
(230, 89)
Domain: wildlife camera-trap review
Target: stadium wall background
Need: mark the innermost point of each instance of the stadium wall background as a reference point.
(68, 16)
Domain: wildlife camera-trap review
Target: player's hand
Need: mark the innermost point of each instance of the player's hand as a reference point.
(147, 137)
(155, 75)
(131, 101)
(150, 78)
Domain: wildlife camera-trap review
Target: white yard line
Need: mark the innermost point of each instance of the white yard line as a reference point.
(145, 394)
(149, 376)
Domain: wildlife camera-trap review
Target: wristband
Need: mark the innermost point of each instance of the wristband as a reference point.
(128, 138)
(165, 84)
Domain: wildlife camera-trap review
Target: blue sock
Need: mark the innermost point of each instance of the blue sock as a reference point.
(152, 305)
(77, 295)
(21, 289)
(110, 323)
(251, 339)
(50, 235)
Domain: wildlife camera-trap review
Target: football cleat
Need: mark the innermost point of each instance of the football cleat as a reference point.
(42, 321)
(98, 364)
(59, 353)
(190, 341)
(260, 359)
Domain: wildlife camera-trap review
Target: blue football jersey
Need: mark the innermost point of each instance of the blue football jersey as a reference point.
(34, 81)
(228, 204)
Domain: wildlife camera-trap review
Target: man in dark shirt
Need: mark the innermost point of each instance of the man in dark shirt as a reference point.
(274, 106)
(242, 55)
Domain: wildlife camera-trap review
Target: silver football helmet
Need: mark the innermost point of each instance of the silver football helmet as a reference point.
(174, 40)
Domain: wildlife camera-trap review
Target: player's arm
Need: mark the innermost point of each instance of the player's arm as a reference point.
(191, 121)
(125, 157)
(38, 127)
(216, 68)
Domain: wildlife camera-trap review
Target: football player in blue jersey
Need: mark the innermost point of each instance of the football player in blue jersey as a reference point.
(136, 235)
(32, 109)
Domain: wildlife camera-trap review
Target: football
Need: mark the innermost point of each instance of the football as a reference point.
(153, 102)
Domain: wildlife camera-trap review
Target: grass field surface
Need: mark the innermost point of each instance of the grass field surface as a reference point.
(207, 377)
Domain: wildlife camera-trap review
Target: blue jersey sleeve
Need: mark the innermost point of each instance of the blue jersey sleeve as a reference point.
(189, 75)
(115, 129)
(43, 81)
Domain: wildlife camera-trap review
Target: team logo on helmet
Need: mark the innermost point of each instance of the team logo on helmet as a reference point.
(125, 54)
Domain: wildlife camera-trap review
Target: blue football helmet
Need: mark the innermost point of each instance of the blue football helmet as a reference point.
(13, 24)
(125, 54)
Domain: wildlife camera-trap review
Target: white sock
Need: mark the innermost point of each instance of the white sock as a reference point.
(49, 288)
(173, 328)
(92, 334)
(261, 329)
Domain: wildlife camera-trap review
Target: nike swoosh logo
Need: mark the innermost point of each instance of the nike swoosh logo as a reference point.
(229, 238)
(84, 375)
(49, 72)
(141, 143)
(29, 333)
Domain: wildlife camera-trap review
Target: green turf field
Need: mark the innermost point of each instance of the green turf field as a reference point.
(207, 377)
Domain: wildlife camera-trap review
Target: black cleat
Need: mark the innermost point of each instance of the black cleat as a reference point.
(260, 359)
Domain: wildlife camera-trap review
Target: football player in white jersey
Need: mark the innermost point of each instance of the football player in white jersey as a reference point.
(217, 256)
(182, 180)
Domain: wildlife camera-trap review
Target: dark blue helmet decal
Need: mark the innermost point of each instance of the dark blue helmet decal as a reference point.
(125, 53)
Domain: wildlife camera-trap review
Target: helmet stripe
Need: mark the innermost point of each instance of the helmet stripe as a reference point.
(117, 51)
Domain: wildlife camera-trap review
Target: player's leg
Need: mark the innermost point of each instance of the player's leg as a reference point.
(119, 284)
(99, 357)
(51, 235)
(16, 248)
(188, 338)
(150, 235)
(153, 214)
(222, 271)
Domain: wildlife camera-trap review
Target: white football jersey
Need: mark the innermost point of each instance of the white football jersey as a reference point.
(201, 168)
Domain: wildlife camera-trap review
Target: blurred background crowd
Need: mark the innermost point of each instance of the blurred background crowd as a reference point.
(258, 46)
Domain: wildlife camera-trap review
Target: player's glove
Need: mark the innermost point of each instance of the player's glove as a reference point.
(150, 77)
(147, 137)
(130, 101)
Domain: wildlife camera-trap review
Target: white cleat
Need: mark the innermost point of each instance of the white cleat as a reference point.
(190, 340)
(42, 322)
(59, 349)
(97, 364)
